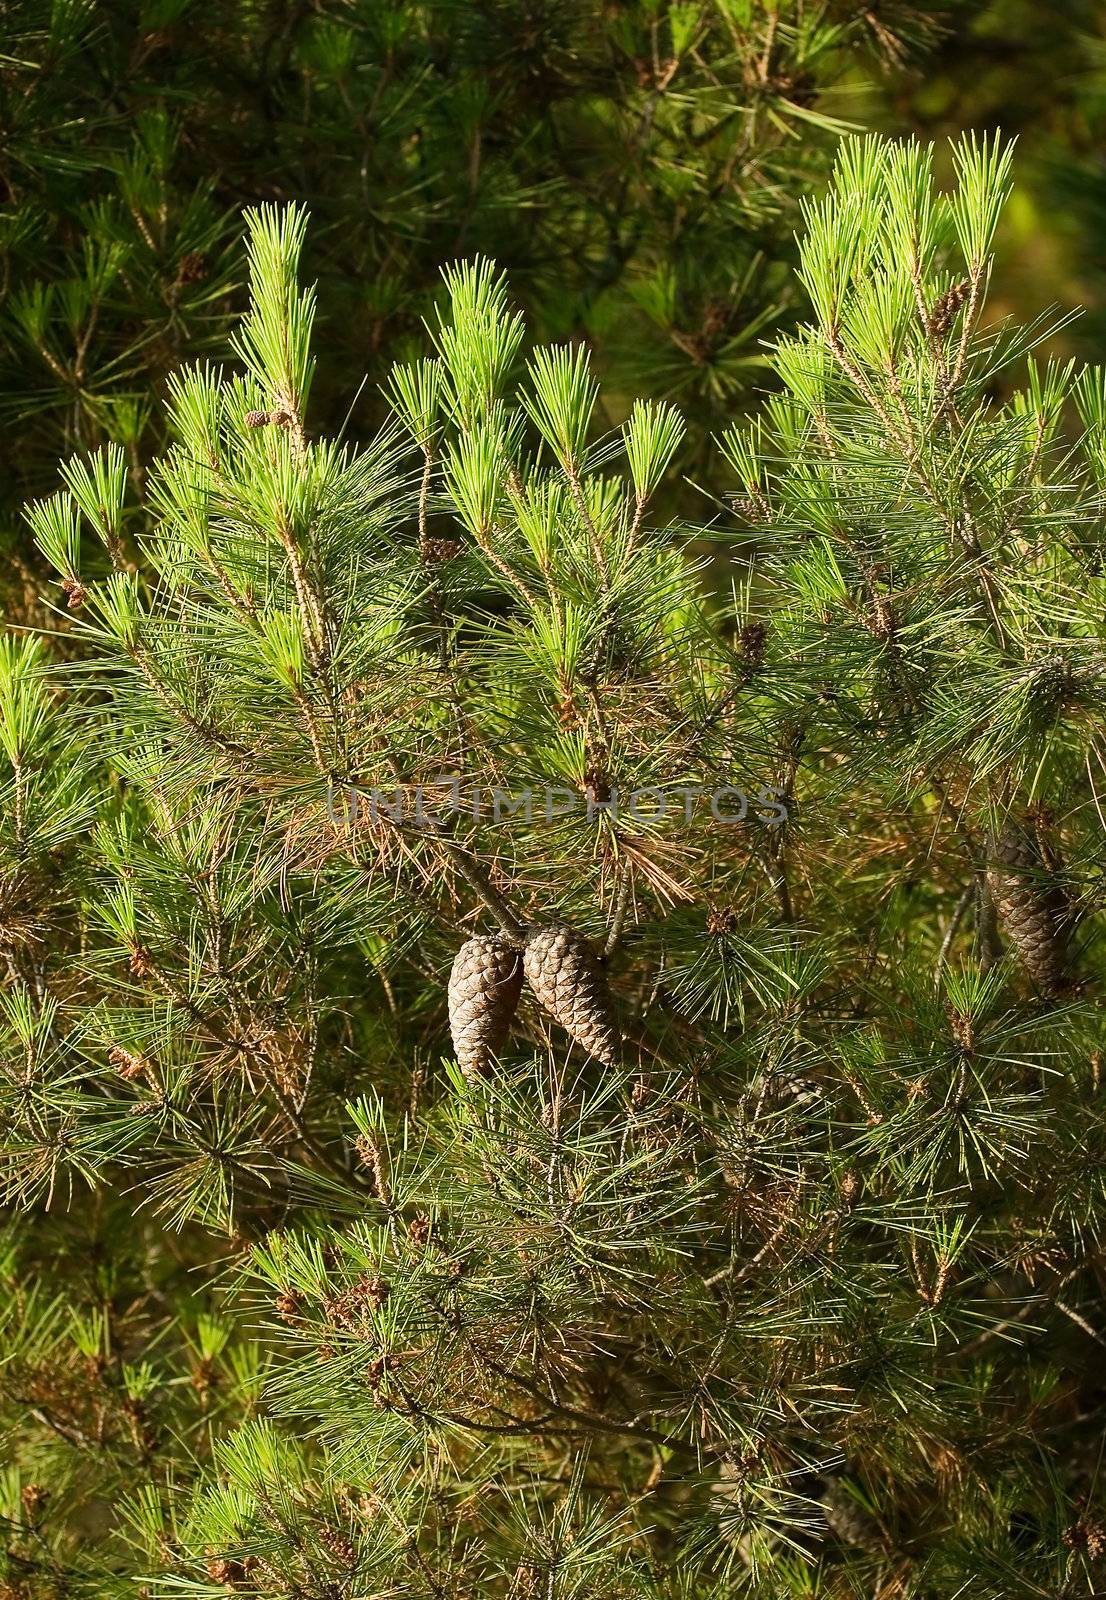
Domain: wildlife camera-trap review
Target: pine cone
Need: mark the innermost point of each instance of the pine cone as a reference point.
(569, 982)
(484, 986)
(1031, 904)
(847, 1519)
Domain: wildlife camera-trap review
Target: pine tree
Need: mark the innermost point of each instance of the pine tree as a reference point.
(761, 1255)
(636, 167)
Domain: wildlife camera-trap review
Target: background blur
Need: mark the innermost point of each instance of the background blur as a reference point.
(1037, 71)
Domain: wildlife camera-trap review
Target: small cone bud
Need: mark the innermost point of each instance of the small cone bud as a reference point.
(484, 987)
(1031, 904)
(945, 309)
(571, 985)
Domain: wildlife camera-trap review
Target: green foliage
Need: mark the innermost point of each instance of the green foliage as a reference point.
(799, 1298)
(637, 173)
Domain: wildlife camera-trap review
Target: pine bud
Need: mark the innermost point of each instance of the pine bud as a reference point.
(1088, 1535)
(33, 1497)
(880, 621)
(127, 1063)
(192, 267)
(946, 307)
(337, 1545)
(484, 986)
(375, 1291)
(597, 787)
(288, 1306)
(440, 550)
(751, 642)
(140, 961)
(368, 1152)
(222, 1570)
(75, 593)
(257, 419)
(571, 985)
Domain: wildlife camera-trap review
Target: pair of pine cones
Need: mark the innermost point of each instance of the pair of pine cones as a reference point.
(565, 976)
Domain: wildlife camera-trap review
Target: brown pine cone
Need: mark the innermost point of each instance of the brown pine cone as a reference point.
(484, 986)
(569, 982)
(847, 1519)
(1032, 906)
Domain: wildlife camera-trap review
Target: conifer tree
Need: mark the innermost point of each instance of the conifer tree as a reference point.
(636, 168)
(743, 1236)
